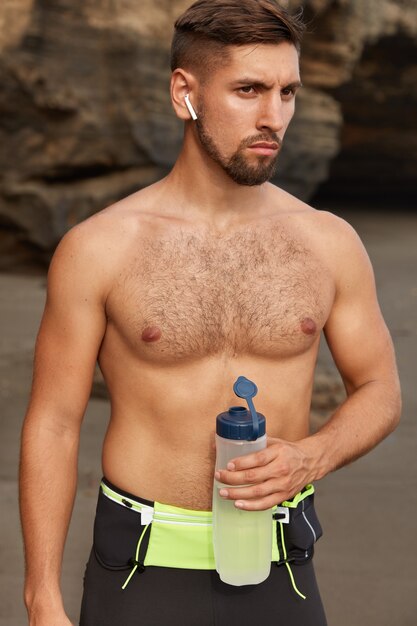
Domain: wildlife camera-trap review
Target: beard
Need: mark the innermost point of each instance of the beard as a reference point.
(238, 166)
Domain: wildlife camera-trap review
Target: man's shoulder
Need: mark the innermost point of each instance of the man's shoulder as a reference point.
(108, 229)
(95, 250)
(330, 236)
(334, 233)
(338, 244)
(328, 225)
(296, 208)
(322, 225)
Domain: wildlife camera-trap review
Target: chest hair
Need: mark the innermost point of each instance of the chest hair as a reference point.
(244, 292)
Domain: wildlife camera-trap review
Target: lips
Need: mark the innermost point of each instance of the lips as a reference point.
(265, 148)
(266, 145)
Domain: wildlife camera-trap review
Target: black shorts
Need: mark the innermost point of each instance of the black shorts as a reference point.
(157, 595)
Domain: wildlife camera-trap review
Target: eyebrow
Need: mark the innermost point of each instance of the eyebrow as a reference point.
(258, 83)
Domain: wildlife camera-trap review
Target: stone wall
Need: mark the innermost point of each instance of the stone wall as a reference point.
(85, 116)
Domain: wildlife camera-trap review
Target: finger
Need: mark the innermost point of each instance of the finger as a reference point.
(250, 492)
(252, 475)
(256, 459)
(261, 504)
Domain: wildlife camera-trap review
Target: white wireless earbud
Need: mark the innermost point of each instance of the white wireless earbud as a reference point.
(190, 107)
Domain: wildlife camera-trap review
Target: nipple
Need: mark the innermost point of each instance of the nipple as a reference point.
(308, 326)
(151, 333)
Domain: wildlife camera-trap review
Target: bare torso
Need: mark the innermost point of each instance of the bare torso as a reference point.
(191, 309)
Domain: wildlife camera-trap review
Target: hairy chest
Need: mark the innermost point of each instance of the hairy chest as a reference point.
(258, 291)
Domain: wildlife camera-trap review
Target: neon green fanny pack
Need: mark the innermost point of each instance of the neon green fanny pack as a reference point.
(183, 537)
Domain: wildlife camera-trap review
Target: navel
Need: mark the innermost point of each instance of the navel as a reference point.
(308, 326)
(151, 333)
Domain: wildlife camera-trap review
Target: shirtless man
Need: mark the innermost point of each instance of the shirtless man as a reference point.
(178, 289)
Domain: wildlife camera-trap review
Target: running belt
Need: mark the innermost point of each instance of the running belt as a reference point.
(182, 538)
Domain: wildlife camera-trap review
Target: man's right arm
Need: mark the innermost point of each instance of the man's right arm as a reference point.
(69, 340)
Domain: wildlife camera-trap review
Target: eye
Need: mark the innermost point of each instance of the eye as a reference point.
(288, 93)
(247, 89)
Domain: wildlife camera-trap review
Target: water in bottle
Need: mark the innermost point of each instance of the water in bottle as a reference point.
(242, 539)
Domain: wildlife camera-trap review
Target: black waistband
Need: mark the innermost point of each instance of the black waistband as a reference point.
(122, 492)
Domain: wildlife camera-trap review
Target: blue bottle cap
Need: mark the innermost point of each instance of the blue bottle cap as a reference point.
(238, 422)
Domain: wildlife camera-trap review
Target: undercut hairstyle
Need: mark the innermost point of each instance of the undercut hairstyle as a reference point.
(206, 29)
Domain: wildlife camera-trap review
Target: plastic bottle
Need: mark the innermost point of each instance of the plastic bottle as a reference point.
(242, 540)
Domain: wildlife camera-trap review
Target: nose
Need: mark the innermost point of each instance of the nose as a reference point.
(271, 115)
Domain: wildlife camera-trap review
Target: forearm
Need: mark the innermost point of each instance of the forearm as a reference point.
(366, 417)
(48, 475)
(270, 476)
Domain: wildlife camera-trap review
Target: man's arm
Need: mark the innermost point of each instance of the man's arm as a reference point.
(69, 339)
(362, 350)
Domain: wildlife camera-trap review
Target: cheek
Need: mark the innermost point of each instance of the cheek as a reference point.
(232, 114)
(289, 113)
(224, 126)
(243, 113)
(287, 116)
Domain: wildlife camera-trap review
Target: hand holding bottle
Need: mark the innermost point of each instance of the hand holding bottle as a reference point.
(270, 476)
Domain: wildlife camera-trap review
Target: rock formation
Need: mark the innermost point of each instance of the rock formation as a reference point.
(85, 116)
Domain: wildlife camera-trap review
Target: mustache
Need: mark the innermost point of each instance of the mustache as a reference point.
(270, 138)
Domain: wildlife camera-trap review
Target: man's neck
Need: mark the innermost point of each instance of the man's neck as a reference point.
(205, 192)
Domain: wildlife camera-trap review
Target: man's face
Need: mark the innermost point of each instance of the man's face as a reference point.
(245, 107)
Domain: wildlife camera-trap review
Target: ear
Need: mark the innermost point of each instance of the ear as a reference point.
(182, 84)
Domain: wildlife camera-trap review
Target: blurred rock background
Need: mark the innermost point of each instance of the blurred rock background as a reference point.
(85, 116)
(85, 119)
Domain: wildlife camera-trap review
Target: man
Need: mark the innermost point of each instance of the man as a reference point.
(209, 274)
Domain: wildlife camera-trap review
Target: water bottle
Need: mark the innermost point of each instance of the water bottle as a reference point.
(242, 540)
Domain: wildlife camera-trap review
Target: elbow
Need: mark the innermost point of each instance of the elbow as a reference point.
(396, 407)
(398, 412)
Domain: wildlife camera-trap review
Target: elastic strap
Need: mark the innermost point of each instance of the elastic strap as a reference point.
(287, 565)
(299, 497)
(136, 561)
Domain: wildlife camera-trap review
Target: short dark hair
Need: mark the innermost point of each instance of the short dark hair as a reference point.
(208, 26)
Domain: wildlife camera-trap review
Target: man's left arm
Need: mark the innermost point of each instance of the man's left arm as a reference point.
(363, 352)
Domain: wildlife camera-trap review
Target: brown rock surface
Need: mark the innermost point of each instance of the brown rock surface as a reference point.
(85, 116)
